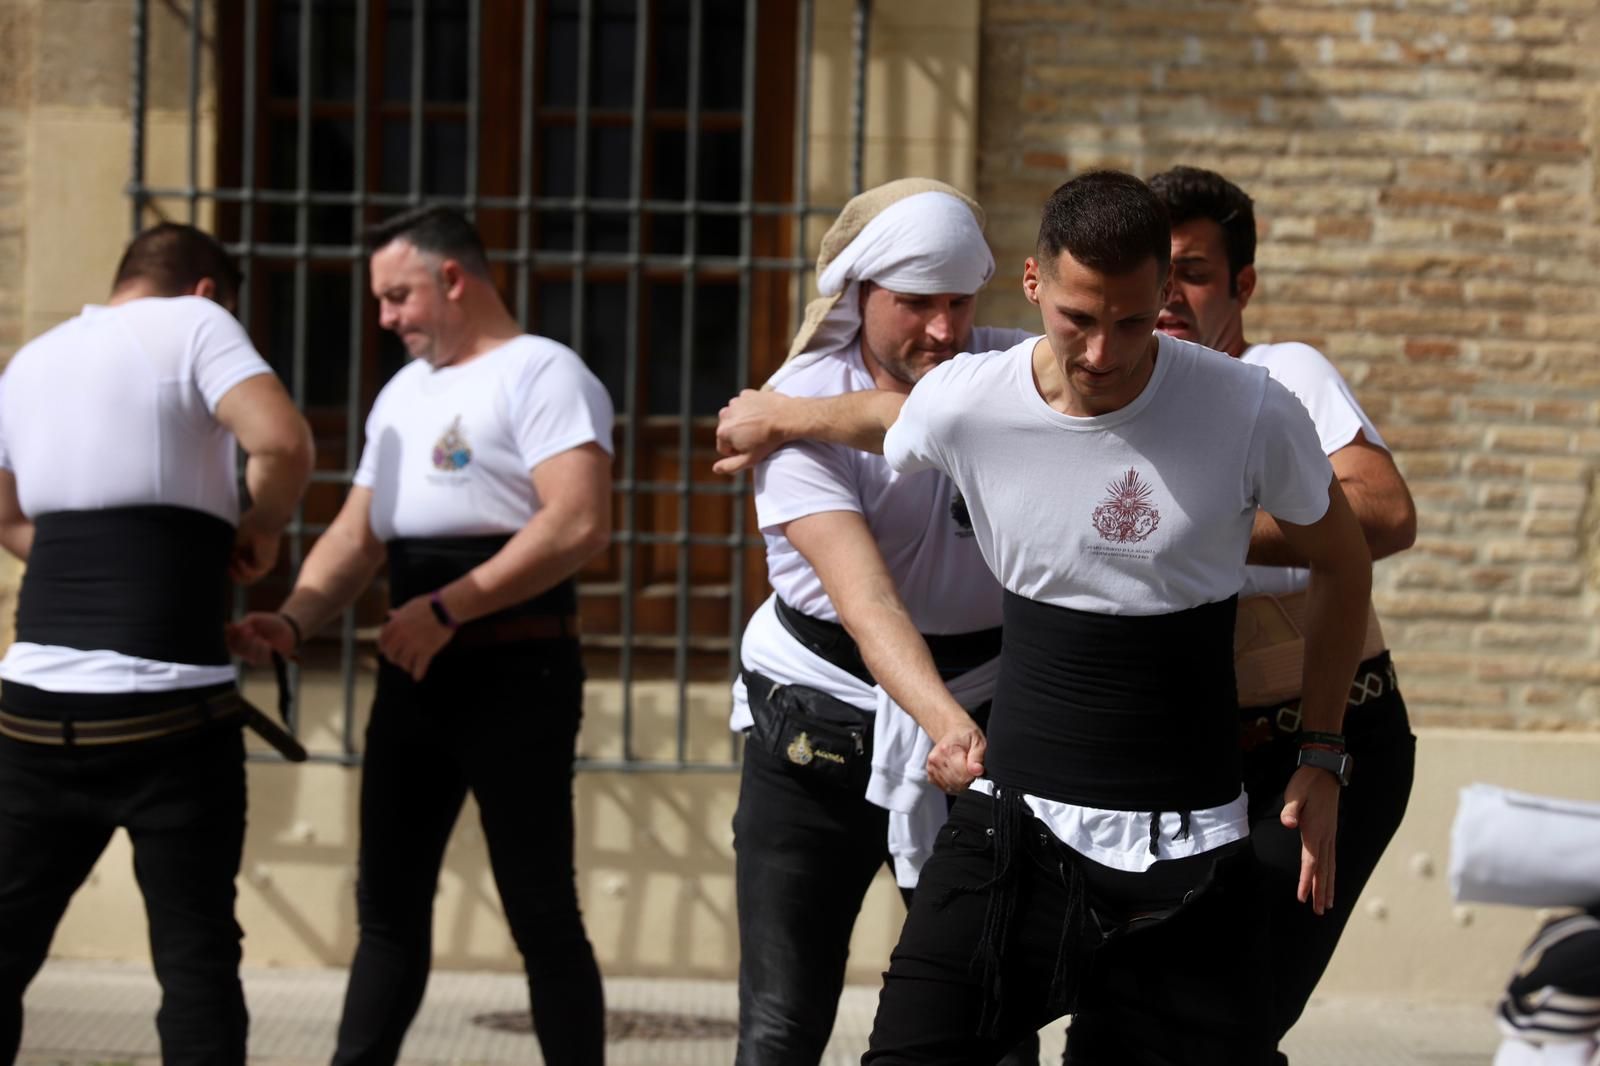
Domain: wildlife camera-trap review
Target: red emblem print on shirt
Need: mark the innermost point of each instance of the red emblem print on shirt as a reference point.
(1126, 515)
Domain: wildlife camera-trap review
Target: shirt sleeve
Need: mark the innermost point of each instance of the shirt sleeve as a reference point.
(913, 443)
(805, 478)
(1318, 385)
(5, 449)
(366, 475)
(1290, 471)
(222, 354)
(557, 405)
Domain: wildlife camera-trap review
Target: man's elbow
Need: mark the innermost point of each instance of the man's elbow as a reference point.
(1395, 535)
(589, 533)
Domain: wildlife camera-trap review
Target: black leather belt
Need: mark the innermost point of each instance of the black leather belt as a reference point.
(1374, 679)
(953, 653)
(227, 706)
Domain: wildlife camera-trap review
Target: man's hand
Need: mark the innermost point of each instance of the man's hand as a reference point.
(257, 635)
(957, 757)
(412, 636)
(1311, 805)
(747, 429)
(255, 549)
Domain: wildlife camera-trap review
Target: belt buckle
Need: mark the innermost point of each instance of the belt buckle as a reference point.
(1287, 718)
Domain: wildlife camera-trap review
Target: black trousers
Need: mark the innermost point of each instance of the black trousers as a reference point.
(1300, 944)
(502, 722)
(1186, 991)
(1384, 754)
(181, 800)
(806, 851)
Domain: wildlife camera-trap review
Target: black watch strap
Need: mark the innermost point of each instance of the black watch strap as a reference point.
(1336, 763)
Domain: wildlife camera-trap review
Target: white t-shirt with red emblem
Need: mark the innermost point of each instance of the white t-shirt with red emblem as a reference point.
(1145, 510)
(449, 450)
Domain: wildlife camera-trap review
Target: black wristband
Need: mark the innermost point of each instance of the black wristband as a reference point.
(299, 634)
(440, 611)
(1332, 740)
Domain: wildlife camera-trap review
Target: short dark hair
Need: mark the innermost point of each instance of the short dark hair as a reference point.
(173, 258)
(1108, 221)
(1191, 193)
(440, 231)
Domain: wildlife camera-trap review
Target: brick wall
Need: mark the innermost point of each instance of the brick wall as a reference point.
(1425, 175)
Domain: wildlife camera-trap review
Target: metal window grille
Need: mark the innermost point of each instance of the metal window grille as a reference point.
(687, 237)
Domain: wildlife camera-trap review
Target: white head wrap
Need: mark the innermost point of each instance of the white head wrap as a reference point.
(914, 235)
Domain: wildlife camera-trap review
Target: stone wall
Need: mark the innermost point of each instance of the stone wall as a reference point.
(1425, 179)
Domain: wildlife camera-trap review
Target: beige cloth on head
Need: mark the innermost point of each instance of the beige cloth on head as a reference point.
(923, 247)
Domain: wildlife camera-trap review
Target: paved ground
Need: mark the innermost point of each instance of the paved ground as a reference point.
(96, 1014)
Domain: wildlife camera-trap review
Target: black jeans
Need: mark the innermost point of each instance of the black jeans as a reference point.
(1299, 942)
(806, 851)
(1384, 755)
(503, 722)
(1182, 989)
(182, 801)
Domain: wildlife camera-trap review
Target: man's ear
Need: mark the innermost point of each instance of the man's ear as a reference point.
(205, 287)
(1030, 280)
(452, 279)
(1245, 286)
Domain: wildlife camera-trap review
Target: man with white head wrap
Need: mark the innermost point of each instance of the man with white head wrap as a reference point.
(855, 553)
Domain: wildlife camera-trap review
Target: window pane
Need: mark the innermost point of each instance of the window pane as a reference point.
(560, 59)
(721, 55)
(611, 69)
(444, 157)
(716, 347)
(328, 321)
(605, 320)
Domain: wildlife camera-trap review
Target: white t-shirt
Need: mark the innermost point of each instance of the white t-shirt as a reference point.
(1143, 511)
(917, 520)
(115, 408)
(1305, 372)
(449, 450)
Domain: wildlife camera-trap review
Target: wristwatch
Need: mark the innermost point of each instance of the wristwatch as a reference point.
(1337, 763)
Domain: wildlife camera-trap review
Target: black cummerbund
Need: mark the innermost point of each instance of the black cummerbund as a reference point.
(953, 653)
(1120, 712)
(418, 565)
(150, 581)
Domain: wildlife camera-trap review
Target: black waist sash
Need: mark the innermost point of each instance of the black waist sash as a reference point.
(953, 653)
(1120, 712)
(150, 581)
(418, 565)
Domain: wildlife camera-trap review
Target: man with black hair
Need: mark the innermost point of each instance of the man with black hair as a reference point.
(119, 707)
(1213, 279)
(485, 484)
(1112, 476)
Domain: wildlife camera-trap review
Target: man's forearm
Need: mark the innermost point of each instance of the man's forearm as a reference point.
(899, 659)
(1336, 626)
(339, 567)
(17, 538)
(857, 420)
(548, 550)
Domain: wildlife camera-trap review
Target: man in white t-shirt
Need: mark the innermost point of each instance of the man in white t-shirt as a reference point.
(118, 485)
(1112, 476)
(485, 484)
(1213, 279)
(870, 569)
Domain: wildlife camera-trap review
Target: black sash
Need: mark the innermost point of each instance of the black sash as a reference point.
(149, 581)
(1120, 712)
(953, 653)
(418, 565)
